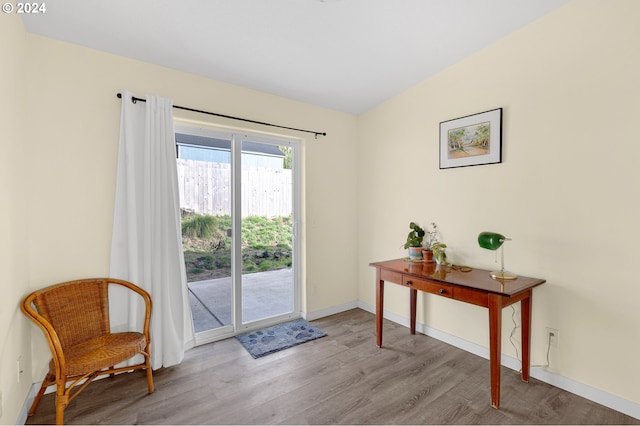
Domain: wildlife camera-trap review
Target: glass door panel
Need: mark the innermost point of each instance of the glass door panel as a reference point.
(204, 178)
(267, 231)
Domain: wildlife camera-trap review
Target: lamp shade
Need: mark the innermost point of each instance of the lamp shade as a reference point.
(491, 240)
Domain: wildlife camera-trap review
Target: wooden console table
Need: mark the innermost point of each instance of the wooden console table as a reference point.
(475, 287)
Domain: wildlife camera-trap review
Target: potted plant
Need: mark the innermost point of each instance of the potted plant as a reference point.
(427, 252)
(439, 253)
(414, 241)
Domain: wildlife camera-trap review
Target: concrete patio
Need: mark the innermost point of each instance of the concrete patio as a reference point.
(264, 294)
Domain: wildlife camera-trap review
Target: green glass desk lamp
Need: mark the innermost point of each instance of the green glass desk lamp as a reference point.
(494, 241)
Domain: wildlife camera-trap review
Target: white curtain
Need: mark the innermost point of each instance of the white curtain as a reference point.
(146, 247)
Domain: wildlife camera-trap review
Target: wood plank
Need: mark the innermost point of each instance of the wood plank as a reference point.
(205, 187)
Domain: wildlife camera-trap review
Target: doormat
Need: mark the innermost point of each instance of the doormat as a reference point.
(282, 336)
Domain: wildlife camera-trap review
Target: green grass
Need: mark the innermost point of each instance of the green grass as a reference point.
(259, 232)
(266, 245)
(205, 226)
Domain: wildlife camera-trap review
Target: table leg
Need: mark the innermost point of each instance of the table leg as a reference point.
(379, 307)
(525, 320)
(495, 340)
(412, 302)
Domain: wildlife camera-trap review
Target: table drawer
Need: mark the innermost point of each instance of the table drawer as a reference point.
(428, 286)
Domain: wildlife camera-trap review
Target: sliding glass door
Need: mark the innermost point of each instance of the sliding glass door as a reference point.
(239, 202)
(267, 239)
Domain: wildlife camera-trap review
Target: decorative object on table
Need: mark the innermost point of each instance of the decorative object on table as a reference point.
(441, 270)
(414, 241)
(432, 239)
(472, 140)
(282, 336)
(427, 255)
(495, 241)
(439, 253)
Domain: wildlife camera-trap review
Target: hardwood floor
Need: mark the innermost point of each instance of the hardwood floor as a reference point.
(339, 379)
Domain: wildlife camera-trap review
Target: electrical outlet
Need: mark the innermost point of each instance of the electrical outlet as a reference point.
(554, 336)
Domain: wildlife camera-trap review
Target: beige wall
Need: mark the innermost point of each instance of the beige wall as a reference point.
(567, 190)
(61, 178)
(14, 269)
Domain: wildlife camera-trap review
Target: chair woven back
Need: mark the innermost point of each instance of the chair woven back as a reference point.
(78, 311)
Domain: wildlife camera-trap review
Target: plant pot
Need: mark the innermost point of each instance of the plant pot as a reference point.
(427, 255)
(415, 253)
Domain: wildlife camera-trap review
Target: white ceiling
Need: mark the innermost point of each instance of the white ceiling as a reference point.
(347, 55)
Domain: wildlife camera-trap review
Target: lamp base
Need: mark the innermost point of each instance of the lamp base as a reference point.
(503, 275)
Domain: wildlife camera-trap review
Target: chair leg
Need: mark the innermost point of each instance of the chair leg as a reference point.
(62, 400)
(150, 380)
(48, 380)
(149, 375)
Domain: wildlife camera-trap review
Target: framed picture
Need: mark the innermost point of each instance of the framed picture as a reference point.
(472, 140)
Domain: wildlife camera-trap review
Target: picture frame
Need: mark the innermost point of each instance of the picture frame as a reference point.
(472, 140)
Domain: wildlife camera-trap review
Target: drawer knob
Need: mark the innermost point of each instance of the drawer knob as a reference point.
(408, 282)
(442, 291)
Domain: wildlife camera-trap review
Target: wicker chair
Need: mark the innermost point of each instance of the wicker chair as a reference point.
(75, 319)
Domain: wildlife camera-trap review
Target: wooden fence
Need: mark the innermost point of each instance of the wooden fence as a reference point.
(205, 188)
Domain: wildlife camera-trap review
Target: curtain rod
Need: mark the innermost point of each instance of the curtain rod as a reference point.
(134, 100)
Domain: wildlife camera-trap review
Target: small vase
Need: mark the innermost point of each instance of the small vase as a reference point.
(415, 253)
(427, 255)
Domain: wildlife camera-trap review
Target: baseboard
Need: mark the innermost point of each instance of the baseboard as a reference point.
(24, 411)
(310, 316)
(596, 395)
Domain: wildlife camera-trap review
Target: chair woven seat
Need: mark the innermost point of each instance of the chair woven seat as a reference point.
(102, 352)
(74, 317)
